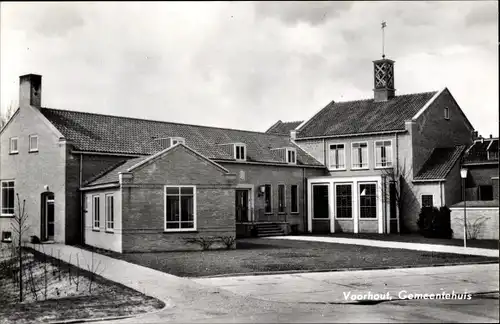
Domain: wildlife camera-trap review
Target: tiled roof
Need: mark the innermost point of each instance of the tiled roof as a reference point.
(481, 151)
(364, 116)
(111, 175)
(122, 135)
(440, 163)
(283, 128)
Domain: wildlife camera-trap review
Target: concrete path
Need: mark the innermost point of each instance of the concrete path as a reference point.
(394, 245)
(341, 286)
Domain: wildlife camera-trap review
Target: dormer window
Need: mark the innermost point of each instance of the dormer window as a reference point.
(446, 113)
(291, 156)
(177, 140)
(240, 152)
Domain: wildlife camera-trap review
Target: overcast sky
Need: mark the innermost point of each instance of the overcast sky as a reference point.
(246, 65)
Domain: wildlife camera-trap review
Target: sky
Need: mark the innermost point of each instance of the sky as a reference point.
(246, 64)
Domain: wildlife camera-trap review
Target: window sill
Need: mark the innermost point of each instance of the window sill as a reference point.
(384, 167)
(13, 153)
(180, 231)
(6, 215)
(344, 218)
(344, 169)
(96, 230)
(356, 169)
(295, 213)
(33, 151)
(368, 219)
(268, 213)
(109, 231)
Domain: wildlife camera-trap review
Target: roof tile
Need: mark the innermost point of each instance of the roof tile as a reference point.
(440, 163)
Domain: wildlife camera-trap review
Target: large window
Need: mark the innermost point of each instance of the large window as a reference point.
(427, 201)
(367, 200)
(281, 198)
(33, 139)
(7, 198)
(360, 155)
(383, 154)
(337, 157)
(344, 200)
(110, 212)
(180, 208)
(96, 212)
(13, 145)
(268, 198)
(295, 198)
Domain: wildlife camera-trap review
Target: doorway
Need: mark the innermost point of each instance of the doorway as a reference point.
(242, 205)
(47, 217)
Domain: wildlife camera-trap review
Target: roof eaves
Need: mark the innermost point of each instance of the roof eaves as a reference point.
(101, 186)
(424, 108)
(354, 134)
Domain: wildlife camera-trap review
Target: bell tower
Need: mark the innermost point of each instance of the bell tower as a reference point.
(383, 74)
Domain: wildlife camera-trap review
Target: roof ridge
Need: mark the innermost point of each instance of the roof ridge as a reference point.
(164, 122)
(401, 95)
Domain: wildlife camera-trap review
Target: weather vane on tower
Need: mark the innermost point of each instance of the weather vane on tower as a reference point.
(384, 24)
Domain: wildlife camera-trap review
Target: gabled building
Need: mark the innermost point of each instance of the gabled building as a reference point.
(386, 156)
(130, 184)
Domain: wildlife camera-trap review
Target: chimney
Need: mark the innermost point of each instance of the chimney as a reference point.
(383, 80)
(30, 90)
(491, 136)
(475, 134)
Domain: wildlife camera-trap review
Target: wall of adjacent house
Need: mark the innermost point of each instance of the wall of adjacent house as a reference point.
(315, 147)
(432, 130)
(143, 202)
(453, 186)
(253, 176)
(414, 202)
(32, 171)
(102, 237)
(480, 220)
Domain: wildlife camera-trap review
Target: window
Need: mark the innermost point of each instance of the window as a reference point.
(485, 192)
(268, 198)
(96, 217)
(281, 198)
(295, 198)
(344, 201)
(367, 200)
(7, 198)
(383, 154)
(110, 212)
(180, 208)
(360, 155)
(291, 156)
(6, 236)
(427, 201)
(320, 207)
(446, 113)
(177, 140)
(13, 145)
(239, 152)
(33, 143)
(492, 155)
(337, 157)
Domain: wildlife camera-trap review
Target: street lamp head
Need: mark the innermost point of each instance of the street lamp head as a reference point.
(463, 173)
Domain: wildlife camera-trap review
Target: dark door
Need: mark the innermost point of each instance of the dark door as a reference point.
(320, 202)
(242, 206)
(48, 218)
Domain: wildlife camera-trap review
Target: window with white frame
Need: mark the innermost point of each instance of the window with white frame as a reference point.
(96, 210)
(180, 208)
(110, 212)
(13, 145)
(446, 113)
(427, 201)
(177, 140)
(33, 142)
(337, 157)
(7, 198)
(281, 198)
(368, 200)
(343, 195)
(294, 193)
(291, 156)
(360, 155)
(240, 152)
(383, 154)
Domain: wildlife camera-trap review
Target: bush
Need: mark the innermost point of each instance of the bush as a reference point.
(435, 223)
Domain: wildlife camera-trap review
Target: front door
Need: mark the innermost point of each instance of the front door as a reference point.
(241, 205)
(48, 218)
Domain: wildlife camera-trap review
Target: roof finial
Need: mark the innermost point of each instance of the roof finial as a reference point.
(384, 24)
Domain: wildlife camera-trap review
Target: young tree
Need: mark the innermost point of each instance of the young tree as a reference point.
(402, 192)
(20, 226)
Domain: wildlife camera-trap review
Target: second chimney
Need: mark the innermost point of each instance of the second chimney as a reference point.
(30, 90)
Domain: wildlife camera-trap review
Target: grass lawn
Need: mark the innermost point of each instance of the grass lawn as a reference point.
(417, 238)
(55, 291)
(263, 255)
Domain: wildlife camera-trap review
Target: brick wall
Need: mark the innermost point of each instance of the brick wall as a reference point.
(314, 148)
(484, 219)
(143, 210)
(432, 130)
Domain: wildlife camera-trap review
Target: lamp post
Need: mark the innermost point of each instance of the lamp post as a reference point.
(463, 175)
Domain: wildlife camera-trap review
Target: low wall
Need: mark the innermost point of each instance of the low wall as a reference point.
(482, 222)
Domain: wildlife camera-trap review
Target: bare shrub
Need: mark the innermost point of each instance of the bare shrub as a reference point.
(204, 242)
(228, 241)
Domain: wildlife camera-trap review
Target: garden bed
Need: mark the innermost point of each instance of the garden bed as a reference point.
(54, 290)
(267, 255)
